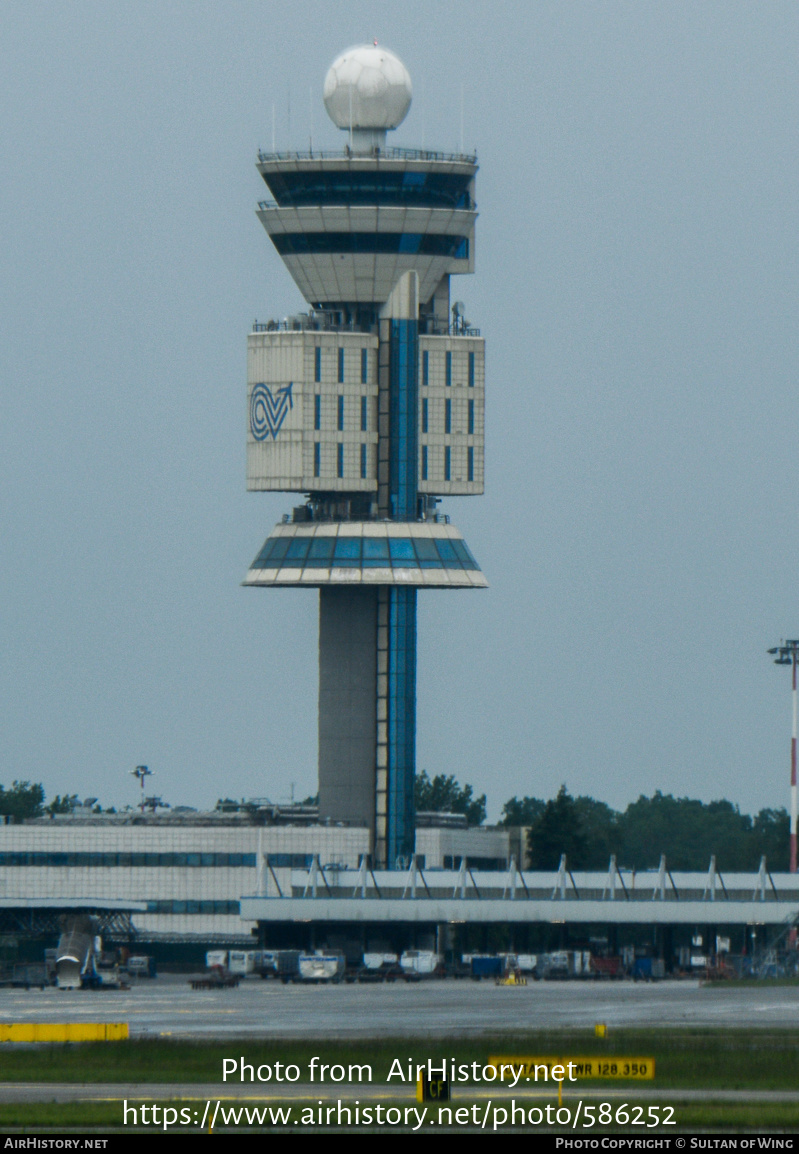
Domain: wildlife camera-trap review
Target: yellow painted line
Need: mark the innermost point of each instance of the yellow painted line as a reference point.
(63, 1031)
(544, 1069)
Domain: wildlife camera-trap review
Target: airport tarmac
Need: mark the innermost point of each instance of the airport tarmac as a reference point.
(167, 1007)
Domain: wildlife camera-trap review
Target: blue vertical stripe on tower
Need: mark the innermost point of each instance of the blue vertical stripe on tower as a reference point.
(401, 724)
(403, 495)
(403, 381)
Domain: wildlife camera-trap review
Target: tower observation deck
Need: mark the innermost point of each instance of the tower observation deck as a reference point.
(371, 404)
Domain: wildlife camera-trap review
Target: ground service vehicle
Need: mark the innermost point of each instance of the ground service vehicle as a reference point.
(418, 964)
(320, 967)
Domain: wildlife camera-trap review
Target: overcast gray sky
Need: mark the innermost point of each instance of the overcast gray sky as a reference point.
(637, 287)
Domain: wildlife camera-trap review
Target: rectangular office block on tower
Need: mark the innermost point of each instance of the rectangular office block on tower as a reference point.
(312, 404)
(451, 415)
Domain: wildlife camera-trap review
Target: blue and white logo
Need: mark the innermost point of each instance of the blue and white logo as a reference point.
(267, 413)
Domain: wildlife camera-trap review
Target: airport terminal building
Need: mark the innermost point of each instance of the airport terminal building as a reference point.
(177, 884)
(184, 873)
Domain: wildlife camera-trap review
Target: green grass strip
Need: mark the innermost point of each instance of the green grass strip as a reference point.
(687, 1058)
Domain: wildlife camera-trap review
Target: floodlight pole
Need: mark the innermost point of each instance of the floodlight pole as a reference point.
(140, 773)
(786, 654)
(793, 770)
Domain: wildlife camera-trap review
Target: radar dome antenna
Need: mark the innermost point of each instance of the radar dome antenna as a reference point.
(367, 92)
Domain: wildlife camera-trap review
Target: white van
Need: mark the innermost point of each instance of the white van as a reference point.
(242, 962)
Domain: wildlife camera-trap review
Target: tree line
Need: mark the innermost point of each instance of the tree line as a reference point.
(23, 801)
(588, 831)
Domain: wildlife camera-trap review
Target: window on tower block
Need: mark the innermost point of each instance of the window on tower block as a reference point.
(317, 412)
(339, 460)
(341, 366)
(447, 463)
(341, 414)
(317, 372)
(449, 369)
(447, 416)
(364, 366)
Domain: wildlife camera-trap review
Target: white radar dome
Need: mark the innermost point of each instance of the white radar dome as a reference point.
(367, 87)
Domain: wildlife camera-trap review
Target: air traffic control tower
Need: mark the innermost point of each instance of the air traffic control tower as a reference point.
(371, 404)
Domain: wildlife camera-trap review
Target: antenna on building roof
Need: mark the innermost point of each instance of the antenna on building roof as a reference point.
(142, 772)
